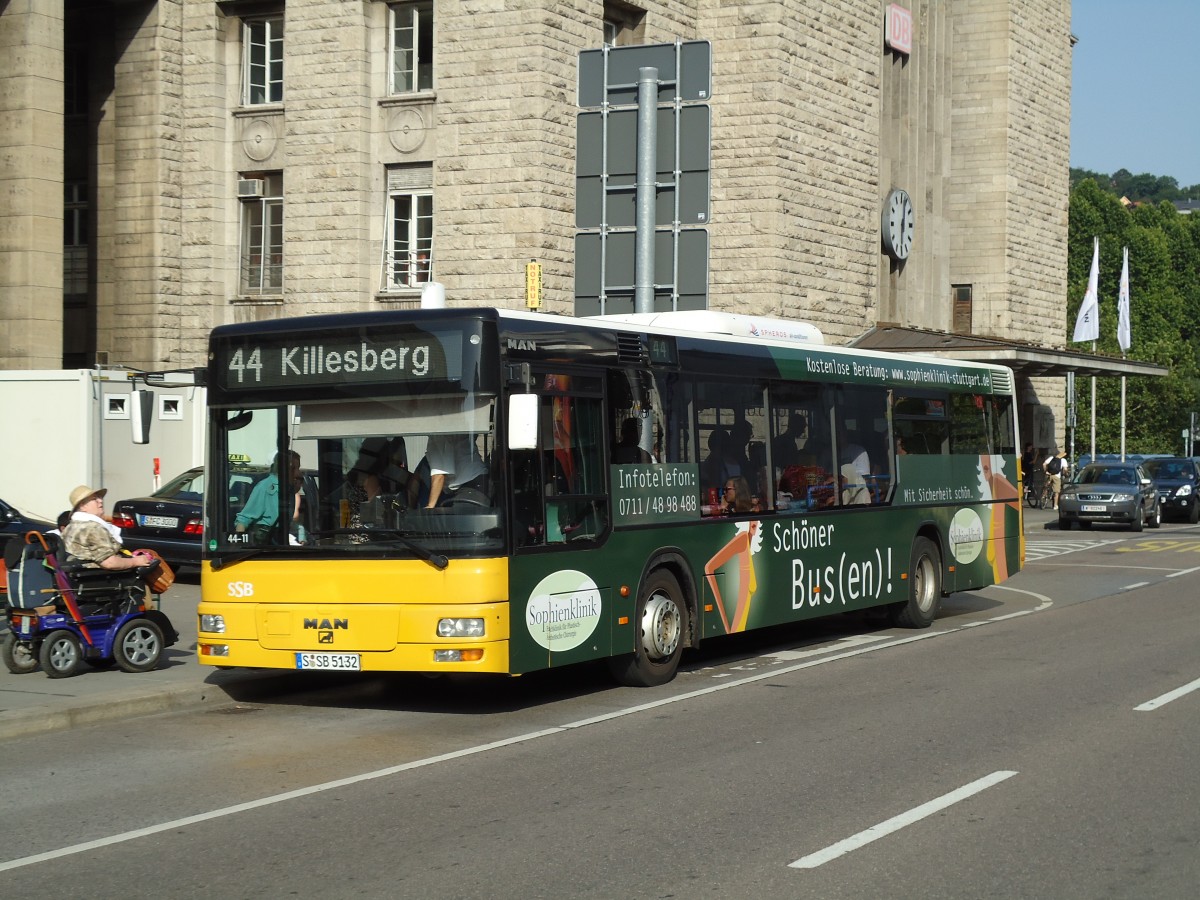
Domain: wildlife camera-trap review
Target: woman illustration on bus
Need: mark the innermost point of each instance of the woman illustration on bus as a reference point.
(739, 580)
(1005, 511)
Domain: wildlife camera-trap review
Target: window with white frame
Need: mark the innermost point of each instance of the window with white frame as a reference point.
(408, 240)
(261, 199)
(411, 48)
(262, 61)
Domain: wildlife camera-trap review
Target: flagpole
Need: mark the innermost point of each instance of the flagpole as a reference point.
(1087, 324)
(1122, 413)
(1123, 333)
(1093, 447)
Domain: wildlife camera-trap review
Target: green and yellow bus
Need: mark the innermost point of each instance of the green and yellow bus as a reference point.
(493, 491)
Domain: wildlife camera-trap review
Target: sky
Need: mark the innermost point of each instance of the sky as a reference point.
(1134, 101)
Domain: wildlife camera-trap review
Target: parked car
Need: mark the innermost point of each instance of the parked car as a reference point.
(1111, 493)
(14, 523)
(171, 520)
(1178, 481)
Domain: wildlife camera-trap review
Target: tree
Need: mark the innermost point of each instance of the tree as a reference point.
(1164, 271)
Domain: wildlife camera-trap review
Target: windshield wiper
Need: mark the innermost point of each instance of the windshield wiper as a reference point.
(437, 559)
(220, 562)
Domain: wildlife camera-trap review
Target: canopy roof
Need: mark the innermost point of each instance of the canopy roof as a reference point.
(1028, 360)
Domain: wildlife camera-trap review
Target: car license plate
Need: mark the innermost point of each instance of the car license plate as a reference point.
(159, 521)
(1093, 508)
(345, 662)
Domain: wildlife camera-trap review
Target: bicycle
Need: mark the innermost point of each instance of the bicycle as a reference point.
(1039, 494)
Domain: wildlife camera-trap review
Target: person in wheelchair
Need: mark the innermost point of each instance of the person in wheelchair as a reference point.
(94, 542)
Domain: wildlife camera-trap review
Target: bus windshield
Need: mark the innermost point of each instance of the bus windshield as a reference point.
(369, 475)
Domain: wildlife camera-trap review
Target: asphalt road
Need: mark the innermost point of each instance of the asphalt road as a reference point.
(1038, 741)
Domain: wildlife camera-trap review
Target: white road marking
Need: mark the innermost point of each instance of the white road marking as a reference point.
(875, 832)
(1184, 572)
(1168, 697)
(1036, 551)
(849, 641)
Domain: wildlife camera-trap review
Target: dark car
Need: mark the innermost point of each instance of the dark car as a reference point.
(14, 523)
(170, 521)
(1111, 493)
(1178, 481)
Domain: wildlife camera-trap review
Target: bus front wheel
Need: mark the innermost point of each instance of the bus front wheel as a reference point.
(661, 619)
(924, 587)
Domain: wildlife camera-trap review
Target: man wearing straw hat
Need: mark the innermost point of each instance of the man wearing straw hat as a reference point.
(92, 539)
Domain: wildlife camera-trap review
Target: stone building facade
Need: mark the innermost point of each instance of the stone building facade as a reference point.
(168, 138)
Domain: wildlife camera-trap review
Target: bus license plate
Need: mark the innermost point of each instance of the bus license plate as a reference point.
(343, 662)
(160, 521)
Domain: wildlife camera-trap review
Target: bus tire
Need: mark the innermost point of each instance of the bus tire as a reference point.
(924, 587)
(662, 622)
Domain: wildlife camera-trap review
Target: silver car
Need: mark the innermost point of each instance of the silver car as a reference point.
(1111, 493)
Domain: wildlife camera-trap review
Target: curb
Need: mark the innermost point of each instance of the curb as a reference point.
(232, 688)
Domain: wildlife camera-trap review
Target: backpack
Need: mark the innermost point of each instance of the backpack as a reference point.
(1055, 465)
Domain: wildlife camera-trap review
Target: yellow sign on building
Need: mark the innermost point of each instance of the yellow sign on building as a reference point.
(533, 285)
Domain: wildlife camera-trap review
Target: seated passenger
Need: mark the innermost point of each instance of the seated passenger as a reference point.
(627, 450)
(737, 497)
(92, 540)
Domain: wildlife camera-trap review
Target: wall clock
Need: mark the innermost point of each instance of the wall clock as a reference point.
(897, 223)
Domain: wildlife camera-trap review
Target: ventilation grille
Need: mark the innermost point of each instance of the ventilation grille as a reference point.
(1002, 381)
(631, 349)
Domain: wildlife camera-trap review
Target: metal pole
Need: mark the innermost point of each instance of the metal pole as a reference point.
(1122, 418)
(647, 158)
(1072, 414)
(1093, 449)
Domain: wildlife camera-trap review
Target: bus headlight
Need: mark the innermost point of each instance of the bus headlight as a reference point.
(212, 624)
(460, 628)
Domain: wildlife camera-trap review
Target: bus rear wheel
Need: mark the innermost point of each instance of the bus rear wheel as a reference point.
(661, 618)
(924, 587)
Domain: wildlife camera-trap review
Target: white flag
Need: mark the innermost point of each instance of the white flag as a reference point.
(1123, 305)
(1087, 325)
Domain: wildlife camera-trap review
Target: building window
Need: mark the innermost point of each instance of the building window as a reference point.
(262, 61)
(261, 197)
(408, 243)
(75, 237)
(412, 48)
(962, 308)
(75, 83)
(623, 23)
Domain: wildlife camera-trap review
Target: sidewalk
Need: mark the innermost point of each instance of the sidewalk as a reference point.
(35, 704)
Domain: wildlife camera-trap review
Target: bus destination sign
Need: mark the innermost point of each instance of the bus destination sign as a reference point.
(653, 493)
(413, 355)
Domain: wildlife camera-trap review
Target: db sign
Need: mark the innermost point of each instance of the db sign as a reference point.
(898, 29)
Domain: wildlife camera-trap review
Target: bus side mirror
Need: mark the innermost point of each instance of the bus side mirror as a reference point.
(522, 421)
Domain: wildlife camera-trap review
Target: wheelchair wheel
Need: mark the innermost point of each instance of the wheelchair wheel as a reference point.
(61, 655)
(19, 656)
(138, 646)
